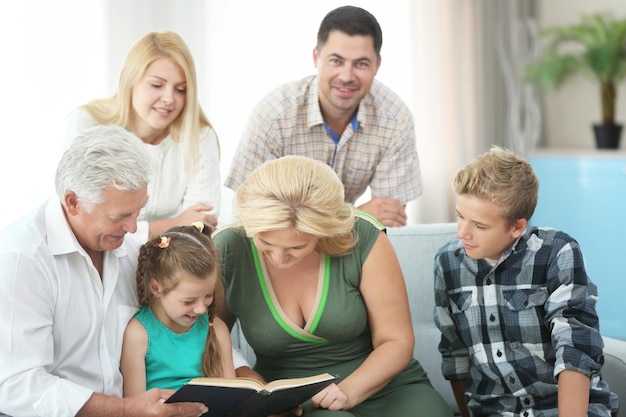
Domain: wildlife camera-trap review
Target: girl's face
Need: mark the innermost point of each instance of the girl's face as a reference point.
(179, 308)
(157, 99)
(285, 248)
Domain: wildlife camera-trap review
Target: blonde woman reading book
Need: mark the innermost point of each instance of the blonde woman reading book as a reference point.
(317, 288)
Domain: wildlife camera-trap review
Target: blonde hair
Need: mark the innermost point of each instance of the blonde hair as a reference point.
(299, 192)
(505, 179)
(117, 108)
(192, 251)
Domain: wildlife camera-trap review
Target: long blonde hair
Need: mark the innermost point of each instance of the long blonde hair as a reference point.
(117, 108)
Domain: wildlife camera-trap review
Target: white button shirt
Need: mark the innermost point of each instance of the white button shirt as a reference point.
(61, 326)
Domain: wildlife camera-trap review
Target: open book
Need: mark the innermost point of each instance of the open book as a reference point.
(246, 397)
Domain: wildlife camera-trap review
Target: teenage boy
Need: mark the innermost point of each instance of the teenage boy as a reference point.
(516, 309)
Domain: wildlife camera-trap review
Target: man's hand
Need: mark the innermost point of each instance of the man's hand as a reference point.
(152, 403)
(388, 211)
(147, 404)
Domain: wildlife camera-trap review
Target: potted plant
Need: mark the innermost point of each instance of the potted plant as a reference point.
(596, 48)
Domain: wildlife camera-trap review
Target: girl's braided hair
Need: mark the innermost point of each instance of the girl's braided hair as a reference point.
(189, 249)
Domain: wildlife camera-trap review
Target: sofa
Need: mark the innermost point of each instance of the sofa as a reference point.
(416, 246)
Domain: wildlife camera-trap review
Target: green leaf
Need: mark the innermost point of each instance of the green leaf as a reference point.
(594, 47)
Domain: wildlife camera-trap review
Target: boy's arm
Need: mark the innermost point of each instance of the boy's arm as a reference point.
(573, 394)
(571, 314)
(458, 389)
(454, 354)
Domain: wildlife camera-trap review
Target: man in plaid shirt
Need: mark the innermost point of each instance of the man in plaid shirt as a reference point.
(342, 117)
(516, 309)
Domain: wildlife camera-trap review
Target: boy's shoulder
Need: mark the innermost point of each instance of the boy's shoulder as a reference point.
(547, 236)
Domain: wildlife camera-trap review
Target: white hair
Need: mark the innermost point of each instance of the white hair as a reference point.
(100, 157)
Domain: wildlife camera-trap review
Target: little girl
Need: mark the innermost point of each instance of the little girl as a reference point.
(176, 337)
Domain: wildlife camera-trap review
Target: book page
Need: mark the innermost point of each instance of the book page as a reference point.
(228, 382)
(296, 382)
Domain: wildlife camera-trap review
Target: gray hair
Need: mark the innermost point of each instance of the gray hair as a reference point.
(100, 157)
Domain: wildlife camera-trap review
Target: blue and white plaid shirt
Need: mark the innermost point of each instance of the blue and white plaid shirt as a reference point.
(510, 329)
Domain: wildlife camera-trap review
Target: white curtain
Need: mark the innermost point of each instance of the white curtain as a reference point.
(444, 55)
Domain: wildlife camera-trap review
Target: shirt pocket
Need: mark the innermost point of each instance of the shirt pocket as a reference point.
(466, 314)
(524, 315)
(523, 299)
(460, 301)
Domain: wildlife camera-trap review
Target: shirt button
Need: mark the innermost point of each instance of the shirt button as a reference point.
(499, 354)
(512, 380)
(488, 281)
(525, 413)
(526, 401)
(492, 318)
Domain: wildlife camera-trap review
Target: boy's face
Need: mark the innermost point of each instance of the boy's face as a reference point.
(483, 230)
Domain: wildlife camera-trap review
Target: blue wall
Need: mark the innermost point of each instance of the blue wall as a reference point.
(585, 196)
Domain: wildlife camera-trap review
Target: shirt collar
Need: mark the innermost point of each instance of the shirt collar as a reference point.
(513, 247)
(337, 135)
(61, 238)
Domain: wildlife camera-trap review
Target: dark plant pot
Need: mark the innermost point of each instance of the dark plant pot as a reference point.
(607, 135)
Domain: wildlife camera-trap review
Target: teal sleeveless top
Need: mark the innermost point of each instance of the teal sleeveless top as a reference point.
(172, 359)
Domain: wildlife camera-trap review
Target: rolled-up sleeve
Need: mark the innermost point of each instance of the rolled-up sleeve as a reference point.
(454, 353)
(571, 314)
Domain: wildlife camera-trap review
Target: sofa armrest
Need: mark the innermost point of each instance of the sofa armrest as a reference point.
(614, 369)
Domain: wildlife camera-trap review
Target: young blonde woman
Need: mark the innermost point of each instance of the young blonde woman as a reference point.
(175, 336)
(157, 100)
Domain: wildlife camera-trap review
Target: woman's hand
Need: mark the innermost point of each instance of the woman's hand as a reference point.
(384, 292)
(197, 213)
(331, 398)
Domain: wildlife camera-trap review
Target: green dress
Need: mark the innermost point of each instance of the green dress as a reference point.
(336, 337)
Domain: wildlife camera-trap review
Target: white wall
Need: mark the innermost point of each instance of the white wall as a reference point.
(51, 56)
(571, 110)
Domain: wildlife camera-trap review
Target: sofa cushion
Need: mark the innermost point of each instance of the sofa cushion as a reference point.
(416, 246)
